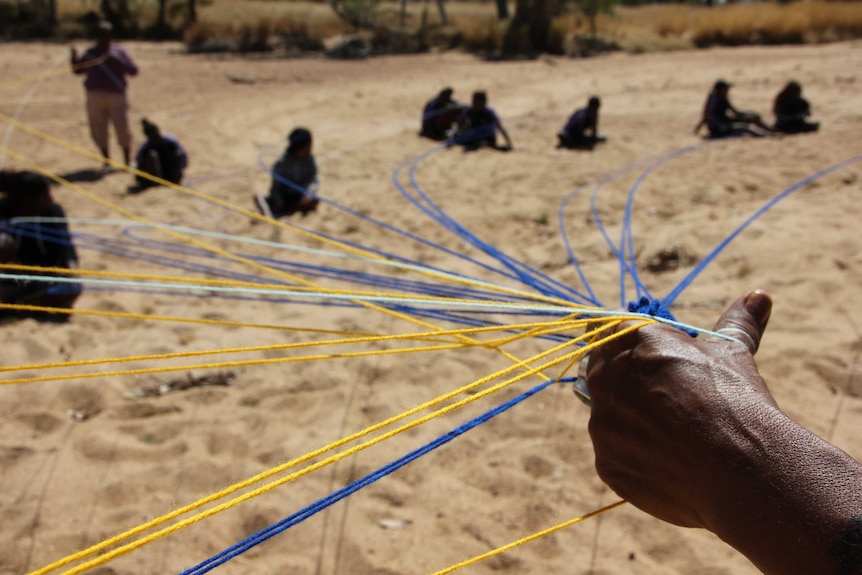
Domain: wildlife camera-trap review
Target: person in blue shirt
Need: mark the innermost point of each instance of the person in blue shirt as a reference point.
(722, 119)
(581, 132)
(478, 126)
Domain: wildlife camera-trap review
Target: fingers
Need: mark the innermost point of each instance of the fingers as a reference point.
(746, 318)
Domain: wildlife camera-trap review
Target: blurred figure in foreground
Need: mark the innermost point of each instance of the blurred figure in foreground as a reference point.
(687, 430)
(24, 239)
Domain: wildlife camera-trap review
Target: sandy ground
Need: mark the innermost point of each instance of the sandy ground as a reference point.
(66, 484)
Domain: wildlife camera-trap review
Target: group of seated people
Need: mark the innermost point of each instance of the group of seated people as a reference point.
(476, 125)
(444, 119)
(722, 119)
(473, 127)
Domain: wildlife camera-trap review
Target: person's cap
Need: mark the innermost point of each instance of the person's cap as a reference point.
(594, 102)
(722, 84)
(148, 127)
(446, 92)
(299, 136)
(105, 26)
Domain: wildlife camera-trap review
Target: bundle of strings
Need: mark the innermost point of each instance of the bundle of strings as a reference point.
(575, 330)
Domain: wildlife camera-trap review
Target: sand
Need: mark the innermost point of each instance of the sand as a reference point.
(68, 482)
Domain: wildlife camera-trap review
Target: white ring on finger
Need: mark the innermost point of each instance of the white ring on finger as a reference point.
(751, 344)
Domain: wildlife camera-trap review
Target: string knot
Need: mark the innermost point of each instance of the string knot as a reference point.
(654, 307)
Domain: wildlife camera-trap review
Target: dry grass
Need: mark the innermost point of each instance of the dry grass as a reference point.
(645, 28)
(755, 23)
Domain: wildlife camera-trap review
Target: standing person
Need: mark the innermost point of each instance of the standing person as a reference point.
(792, 110)
(106, 66)
(160, 155)
(479, 125)
(687, 430)
(26, 195)
(294, 180)
(723, 120)
(439, 115)
(581, 132)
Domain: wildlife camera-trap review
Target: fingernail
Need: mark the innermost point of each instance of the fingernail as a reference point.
(759, 305)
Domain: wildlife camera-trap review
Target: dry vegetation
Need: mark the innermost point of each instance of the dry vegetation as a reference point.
(260, 24)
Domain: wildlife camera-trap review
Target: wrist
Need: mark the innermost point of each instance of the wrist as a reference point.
(792, 503)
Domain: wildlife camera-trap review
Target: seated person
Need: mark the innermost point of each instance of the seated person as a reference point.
(791, 111)
(478, 126)
(582, 129)
(294, 180)
(723, 120)
(43, 244)
(161, 155)
(440, 115)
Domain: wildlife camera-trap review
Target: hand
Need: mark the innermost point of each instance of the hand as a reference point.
(667, 410)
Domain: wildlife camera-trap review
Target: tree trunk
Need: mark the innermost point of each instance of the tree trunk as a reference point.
(51, 18)
(528, 31)
(502, 9)
(540, 24)
(444, 19)
(193, 11)
(160, 19)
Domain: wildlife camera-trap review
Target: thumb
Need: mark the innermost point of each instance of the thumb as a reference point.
(746, 319)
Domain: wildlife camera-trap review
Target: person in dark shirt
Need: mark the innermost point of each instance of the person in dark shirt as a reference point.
(479, 125)
(440, 114)
(792, 110)
(161, 155)
(722, 119)
(26, 198)
(294, 180)
(581, 132)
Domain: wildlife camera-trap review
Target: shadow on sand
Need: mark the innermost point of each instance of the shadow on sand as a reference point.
(86, 176)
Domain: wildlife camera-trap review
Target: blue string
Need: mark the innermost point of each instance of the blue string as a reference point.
(526, 274)
(687, 280)
(386, 226)
(321, 504)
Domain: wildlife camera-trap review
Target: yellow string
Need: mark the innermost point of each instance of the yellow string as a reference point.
(529, 538)
(61, 69)
(263, 489)
(224, 253)
(40, 270)
(423, 336)
(246, 212)
(310, 455)
(519, 364)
